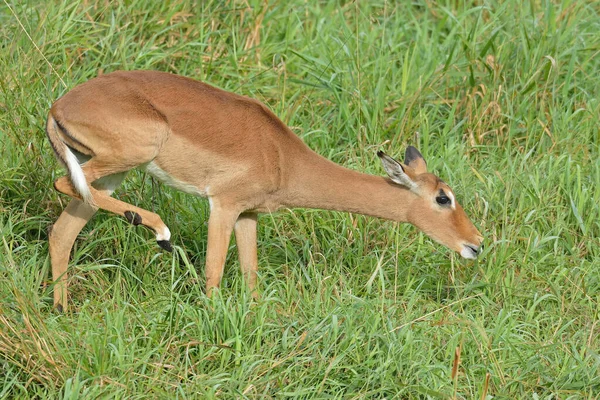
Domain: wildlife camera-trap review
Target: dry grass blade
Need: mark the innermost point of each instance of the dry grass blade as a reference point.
(27, 341)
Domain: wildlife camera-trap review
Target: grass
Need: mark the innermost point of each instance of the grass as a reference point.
(502, 98)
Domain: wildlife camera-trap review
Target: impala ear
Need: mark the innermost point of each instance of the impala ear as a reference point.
(401, 174)
(414, 159)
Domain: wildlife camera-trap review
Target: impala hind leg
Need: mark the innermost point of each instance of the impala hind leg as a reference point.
(61, 239)
(245, 237)
(135, 215)
(64, 232)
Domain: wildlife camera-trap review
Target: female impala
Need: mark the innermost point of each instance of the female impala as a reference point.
(226, 147)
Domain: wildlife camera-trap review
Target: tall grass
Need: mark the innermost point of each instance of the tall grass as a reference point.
(500, 96)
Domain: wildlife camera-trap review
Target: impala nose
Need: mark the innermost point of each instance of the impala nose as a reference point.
(470, 251)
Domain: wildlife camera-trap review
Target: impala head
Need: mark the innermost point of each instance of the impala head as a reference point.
(434, 209)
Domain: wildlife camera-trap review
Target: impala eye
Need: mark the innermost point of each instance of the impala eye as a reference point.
(442, 199)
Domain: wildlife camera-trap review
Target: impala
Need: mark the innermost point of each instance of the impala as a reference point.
(228, 148)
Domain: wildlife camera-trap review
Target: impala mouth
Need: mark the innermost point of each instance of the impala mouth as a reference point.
(469, 251)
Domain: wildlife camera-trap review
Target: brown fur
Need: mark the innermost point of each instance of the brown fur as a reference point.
(229, 148)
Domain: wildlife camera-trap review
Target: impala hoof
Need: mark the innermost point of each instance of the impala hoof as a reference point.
(133, 217)
(165, 244)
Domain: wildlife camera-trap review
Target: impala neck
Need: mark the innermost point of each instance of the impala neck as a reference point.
(316, 182)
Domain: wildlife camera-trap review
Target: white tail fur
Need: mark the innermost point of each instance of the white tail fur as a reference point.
(77, 176)
(64, 154)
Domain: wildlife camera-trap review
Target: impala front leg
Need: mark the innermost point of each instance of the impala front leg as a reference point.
(220, 226)
(245, 237)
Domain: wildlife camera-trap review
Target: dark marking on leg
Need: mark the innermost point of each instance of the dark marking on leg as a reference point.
(165, 244)
(59, 308)
(133, 217)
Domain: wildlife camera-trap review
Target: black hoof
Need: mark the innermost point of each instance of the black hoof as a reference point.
(133, 217)
(59, 308)
(165, 244)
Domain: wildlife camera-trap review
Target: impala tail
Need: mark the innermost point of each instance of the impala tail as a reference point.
(65, 154)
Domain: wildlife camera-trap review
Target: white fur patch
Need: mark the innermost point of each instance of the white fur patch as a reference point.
(164, 235)
(468, 253)
(77, 176)
(163, 176)
(452, 200)
(110, 182)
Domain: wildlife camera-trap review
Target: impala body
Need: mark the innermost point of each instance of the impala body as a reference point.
(228, 148)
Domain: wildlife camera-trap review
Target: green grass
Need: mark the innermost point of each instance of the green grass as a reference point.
(502, 98)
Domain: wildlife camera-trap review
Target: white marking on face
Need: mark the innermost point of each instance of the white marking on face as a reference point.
(153, 169)
(468, 253)
(452, 199)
